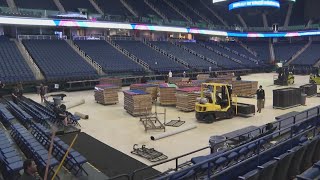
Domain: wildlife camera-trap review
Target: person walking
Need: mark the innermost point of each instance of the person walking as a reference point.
(260, 98)
(42, 92)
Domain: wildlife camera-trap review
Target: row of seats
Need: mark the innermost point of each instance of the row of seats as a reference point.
(30, 146)
(23, 116)
(5, 114)
(13, 67)
(35, 113)
(155, 60)
(284, 51)
(11, 160)
(109, 58)
(58, 61)
(73, 161)
(309, 56)
(36, 4)
(311, 173)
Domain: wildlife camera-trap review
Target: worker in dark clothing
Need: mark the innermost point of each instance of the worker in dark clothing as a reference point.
(260, 99)
(30, 170)
(61, 113)
(1, 89)
(16, 94)
(42, 92)
(143, 80)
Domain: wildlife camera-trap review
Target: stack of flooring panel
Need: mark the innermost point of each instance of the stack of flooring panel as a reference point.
(203, 76)
(114, 81)
(174, 80)
(168, 94)
(224, 80)
(309, 89)
(106, 94)
(244, 88)
(158, 82)
(149, 88)
(193, 83)
(286, 98)
(137, 102)
(186, 98)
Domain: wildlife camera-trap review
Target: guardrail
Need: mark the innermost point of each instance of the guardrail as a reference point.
(42, 37)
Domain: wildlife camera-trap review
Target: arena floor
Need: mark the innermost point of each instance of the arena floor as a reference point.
(113, 126)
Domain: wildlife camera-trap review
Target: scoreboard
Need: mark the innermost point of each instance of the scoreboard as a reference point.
(254, 3)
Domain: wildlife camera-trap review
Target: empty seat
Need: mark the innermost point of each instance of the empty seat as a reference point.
(294, 168)
(307, 157)
(252, 175)
(283, 165)
(267, 170)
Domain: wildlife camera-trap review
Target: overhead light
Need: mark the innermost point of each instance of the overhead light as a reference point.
(215, 1)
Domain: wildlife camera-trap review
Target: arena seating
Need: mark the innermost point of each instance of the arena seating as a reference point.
(58, 61)
(285, 50)
(225, 14)
(13, 67)
(187, 11)
(278, 17)
(36, 4)
(237, 47)
(222, 61)
(33, 149)
(258, 158)
(169, 12)
(252, 20)
(261, 48)
(311, 173)
(204, 11)
(245, 61)
(6, 116)
(69, 5)
(193, 60)
(309, 56)
(23, 116)
(156, 60)
(3, 3)
(108, 57)
(113, 7)
(142, 8)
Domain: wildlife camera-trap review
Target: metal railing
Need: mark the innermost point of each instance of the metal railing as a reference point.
(42, 37)
(88, 38)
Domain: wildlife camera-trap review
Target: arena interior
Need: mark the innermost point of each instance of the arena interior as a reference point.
(160, 89)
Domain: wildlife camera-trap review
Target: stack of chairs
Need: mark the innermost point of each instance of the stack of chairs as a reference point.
(5, 114)
(33, 149)
(23, 116)
(10, 160)
(74, 160)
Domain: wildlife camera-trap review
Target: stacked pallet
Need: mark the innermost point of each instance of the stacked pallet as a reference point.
(168, 94)
(158, 82)
(106, 94)
(193, 83)
(224, 80)
(186, 98)
(149, 88)
(114, 81)
(137, 102)
(203, 76)
(174, 80)
(244, 88)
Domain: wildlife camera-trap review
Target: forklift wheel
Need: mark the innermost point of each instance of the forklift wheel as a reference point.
(230, 113)
(209, 118)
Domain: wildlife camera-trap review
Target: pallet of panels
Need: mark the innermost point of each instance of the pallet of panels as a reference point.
(149, 88)
(309, 89)
(224, 80)
(186, 98)
(193, 83)
(137, 102)
(167, 94)
(158, 82)
(114, 81)
(203, 76)
(106, 94)
(174, 80)
(244, 88)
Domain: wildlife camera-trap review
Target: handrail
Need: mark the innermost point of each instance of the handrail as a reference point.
(306, 114)
(42, 37)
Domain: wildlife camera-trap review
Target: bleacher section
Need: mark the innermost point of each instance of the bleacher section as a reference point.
(187, 11)
(261, 48)
(113, 7)
(282, 152)
(169, 12)
(311, 173)
(222, 61)
(36, 4)
(252, 20)
(310, 56)
(284, 51)
(58, 61)
(111, 60)
(246, 62)
(225, 14)
(279, 16)
(3, 3)
(142, 8)
(203, 10)
(193, 60)
(13, 67)
(155, 60)
(70, 5)
(237, 47)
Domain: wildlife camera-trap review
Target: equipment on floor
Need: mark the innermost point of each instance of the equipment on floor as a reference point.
(285, 77)
(151, 120)
(309, 89)
(315, 77)
(177, 131)
(175, 123)
(148, 153)
(75, 104)
(82, 116)
(287, 98)
(215, 102)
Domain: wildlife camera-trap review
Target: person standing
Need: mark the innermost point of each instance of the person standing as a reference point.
(16, 94)
(1, 89)
(29, 170)
(260, 99)
(170, 74)
(184, 74)
(42, 92)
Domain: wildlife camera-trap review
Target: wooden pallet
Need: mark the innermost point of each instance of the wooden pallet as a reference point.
(244, 88)
(149, 88)
(186, 98)
(106, 94)
(137, 102)
(168, 96)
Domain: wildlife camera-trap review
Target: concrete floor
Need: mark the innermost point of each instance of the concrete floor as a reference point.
(113, 126)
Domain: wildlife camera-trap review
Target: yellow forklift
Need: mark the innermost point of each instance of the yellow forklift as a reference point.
(315, 77)
(215, 102)
(285, 77)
